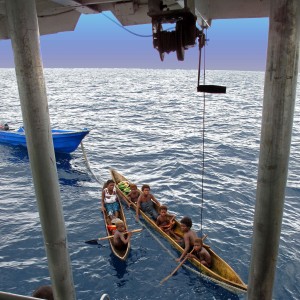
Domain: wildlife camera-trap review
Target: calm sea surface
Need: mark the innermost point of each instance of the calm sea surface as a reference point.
(147, 124)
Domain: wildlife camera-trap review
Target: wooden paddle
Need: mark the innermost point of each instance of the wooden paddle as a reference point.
(178, 267)
(95, 242)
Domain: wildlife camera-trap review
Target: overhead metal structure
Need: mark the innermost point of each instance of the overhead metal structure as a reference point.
(62, 15)
(40, 17)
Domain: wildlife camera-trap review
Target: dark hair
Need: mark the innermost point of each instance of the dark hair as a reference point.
(187, 222)
(145, 186)
(163, 207)
(133, 186)
(198, 241)
(44, 292)
(109, 181)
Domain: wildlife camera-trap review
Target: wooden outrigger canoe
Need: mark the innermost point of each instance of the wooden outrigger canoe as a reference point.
(110, 228)
(220, 272)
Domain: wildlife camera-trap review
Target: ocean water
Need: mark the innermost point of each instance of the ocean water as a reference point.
(148, 125)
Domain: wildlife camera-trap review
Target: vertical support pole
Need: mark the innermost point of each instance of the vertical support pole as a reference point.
(24, 33)
(277, 120)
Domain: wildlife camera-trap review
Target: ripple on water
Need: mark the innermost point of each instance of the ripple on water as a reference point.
(150, 129)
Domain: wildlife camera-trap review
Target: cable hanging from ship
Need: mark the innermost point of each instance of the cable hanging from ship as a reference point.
(216, 89)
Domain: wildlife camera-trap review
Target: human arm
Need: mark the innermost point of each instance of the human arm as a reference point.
(205, 258)
(128, 202)
(102, 201)
(172, 217)
(154, 199)
(170, 222)
(125, 240)
(186, 240)
(191, 255)
(138, 204)
(164, 224)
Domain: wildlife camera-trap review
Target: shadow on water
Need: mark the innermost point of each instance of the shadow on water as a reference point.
(218, 292)
(15, 154)
(119, 265)
(67, 170)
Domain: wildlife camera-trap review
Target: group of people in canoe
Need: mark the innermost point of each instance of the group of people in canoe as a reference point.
(192, 245)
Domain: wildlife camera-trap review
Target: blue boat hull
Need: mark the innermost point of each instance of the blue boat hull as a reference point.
(65, 141)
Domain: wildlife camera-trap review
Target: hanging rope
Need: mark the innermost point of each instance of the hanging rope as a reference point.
(124, 28)
(88, 165)
(202, 45)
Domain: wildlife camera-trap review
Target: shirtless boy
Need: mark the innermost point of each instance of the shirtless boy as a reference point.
(200, 253)
(165, 221)
(145, 203)
(119, 239)
(134, 193)
(189, 237)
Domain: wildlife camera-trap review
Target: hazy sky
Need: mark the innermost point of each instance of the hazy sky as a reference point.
(238, 44)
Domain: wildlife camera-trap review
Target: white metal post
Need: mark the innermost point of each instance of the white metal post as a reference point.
(24, 33)
(277, 120)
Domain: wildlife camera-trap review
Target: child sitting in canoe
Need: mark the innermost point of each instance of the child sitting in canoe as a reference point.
(134, 193)
(189, 237)
(200, 253)
(111, 224)
(110, 203)
(145, 203)
(165, 221)
(119, 239)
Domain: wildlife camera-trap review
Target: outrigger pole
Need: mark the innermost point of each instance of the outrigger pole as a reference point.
(277, 121)
(24, 34)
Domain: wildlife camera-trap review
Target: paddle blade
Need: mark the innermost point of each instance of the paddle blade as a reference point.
(176, 269)
(92, 242)
(95, 242)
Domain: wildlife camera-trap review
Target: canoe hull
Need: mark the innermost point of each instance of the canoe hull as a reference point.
(123, 253)
(220, 272)
(64, 141)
